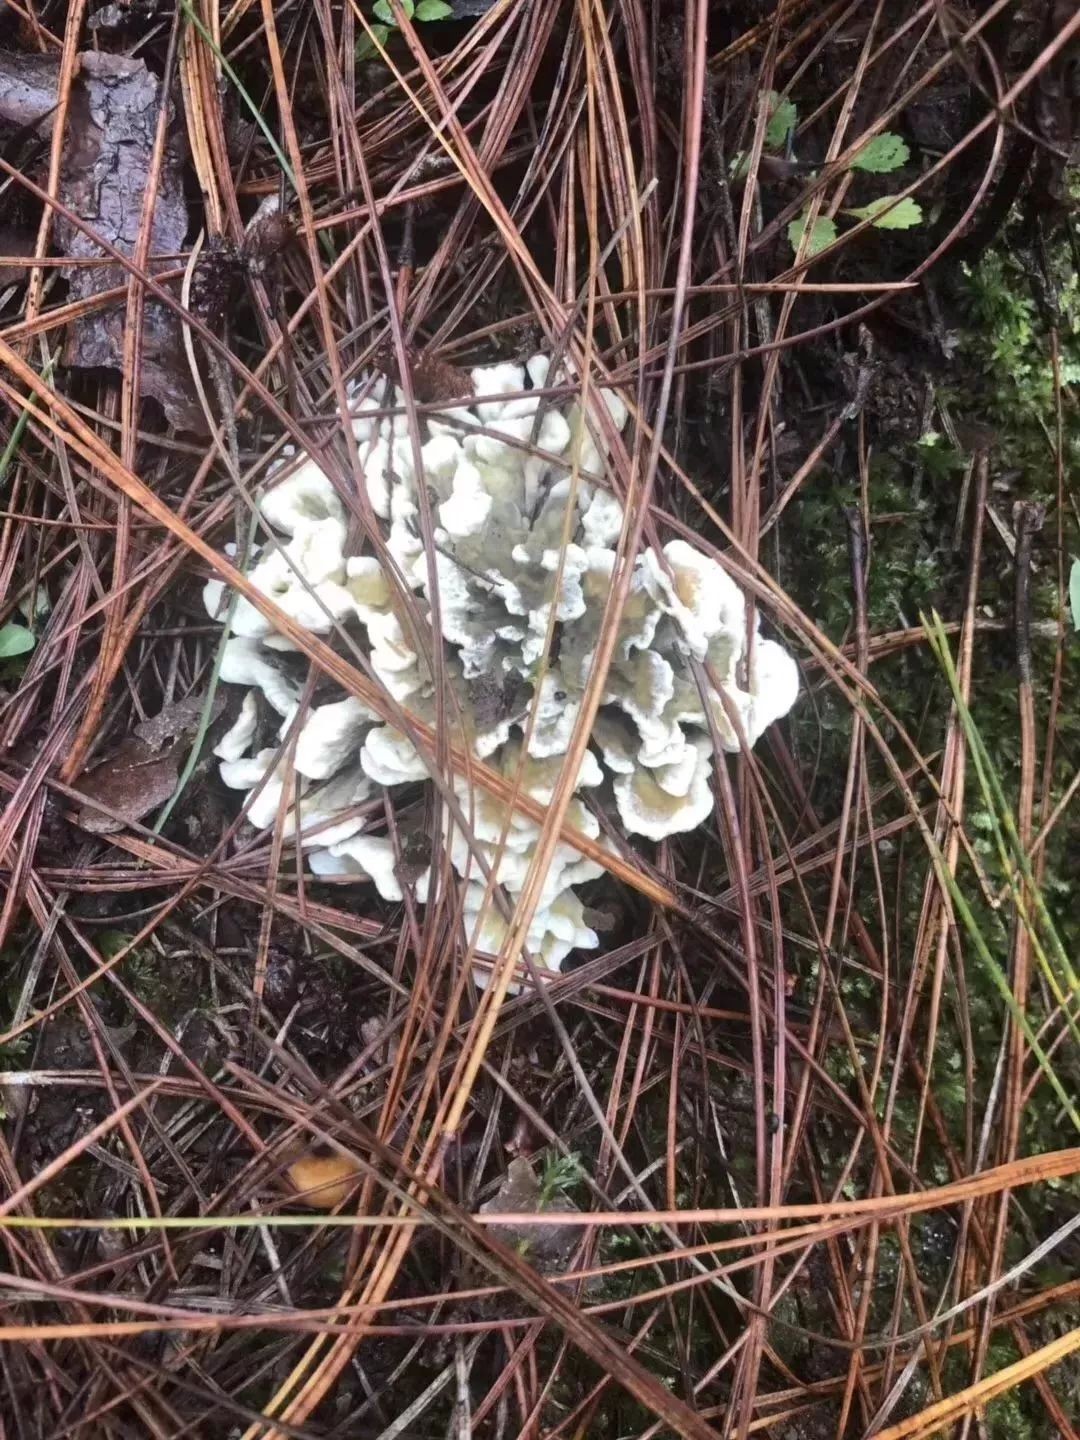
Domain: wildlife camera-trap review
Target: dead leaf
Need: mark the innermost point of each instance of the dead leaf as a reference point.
(141, 773)
(132, 781)
(266, 234)
(27, 88)
(323, 1181)
(14, 242)
(546, 1247)
(437, 379)
(180, 718)
(110, 139)
(384, 1054)
(114, 110)
(120, 16)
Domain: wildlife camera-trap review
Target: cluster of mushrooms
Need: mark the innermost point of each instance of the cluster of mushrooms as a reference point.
(525, 534)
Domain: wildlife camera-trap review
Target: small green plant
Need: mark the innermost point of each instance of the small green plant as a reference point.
(15, 640)
(779, 128)
(561, 1173)
(423, 11)
(879, 156)
(887, 212)
(17, 1050)
(783, 115)
(822, 233)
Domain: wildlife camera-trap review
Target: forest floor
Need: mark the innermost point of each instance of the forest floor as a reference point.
(792, 1150)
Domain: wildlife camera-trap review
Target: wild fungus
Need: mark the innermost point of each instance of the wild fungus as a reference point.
(525, 533)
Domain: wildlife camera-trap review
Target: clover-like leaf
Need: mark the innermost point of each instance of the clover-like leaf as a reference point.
(888, 213)
(382, 10)
(782, 116)
(15, 640)
(365, 46)
(433, 10)
(821, 236)
(883, 153)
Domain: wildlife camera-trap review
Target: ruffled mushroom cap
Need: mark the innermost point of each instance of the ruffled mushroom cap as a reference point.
(390, 758)
(303, 496)
(369, 857)
(268, 769)
(322, 815)
(524, 559)
(330, 737)
(699, 594)
(774, 688)
(244, 663)
(237, 739)
(669, 800)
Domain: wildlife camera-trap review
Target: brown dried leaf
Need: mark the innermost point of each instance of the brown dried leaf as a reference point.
(14, 242)
(114, 111)
(323, 1181)
(141, 773)
(132, 781)
(27, 88)
(178, 719)
(435, 379)
(110, 140)
(122, 15)
(546, 1247)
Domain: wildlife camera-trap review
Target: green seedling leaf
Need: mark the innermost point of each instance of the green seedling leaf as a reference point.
(883, 153)
(15, 640)
(111, 942)
(382, 11)
(821, 236)
(433, 10)
(1074, 593)
(365, 46)
(782, 116)
(888, 213)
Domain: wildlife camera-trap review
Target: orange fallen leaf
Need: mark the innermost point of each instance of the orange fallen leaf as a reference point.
(323, 1180)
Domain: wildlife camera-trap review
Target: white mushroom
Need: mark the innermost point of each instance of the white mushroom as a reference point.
(368, 855)
(245, 773)
(647, 808)
(774, 687)
(514, 588)
(390, 758)
(491, 383)
(304, 495)
(699, 594)
(243, 663)
(368, 586)
(330, 735)
(323, 814)
(267, 769)
(236, 740)
(466, 511)
(602, 521)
